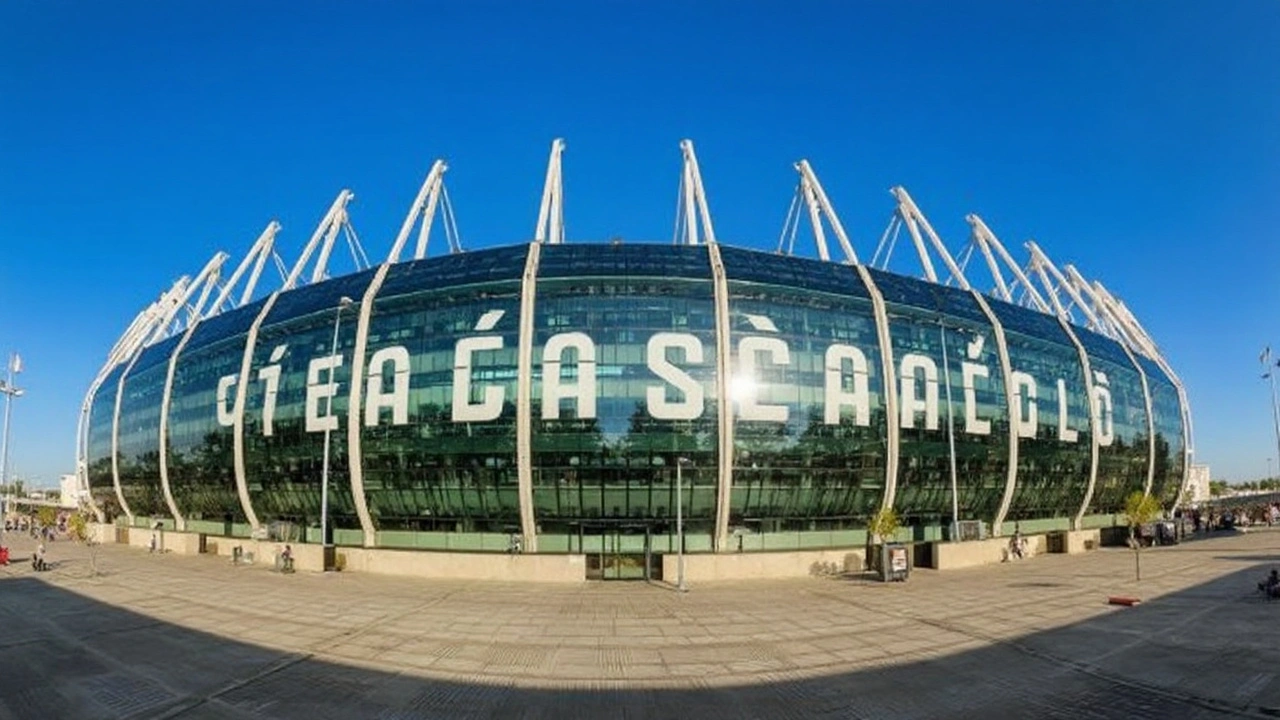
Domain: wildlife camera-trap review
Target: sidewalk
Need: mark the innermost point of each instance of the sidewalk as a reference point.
(1033, 638)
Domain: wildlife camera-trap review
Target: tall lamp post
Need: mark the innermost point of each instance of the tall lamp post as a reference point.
(10, 391)
(951, 436)
(1268, 373)
(326, 544)
(680, 463)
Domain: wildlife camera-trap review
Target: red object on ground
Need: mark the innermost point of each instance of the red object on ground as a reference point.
(1122, 600)
(4, 556)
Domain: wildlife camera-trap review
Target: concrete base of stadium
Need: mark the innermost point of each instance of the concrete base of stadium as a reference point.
(570, 568)
(951, 556)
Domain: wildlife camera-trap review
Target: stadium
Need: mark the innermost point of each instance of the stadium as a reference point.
(600, 403)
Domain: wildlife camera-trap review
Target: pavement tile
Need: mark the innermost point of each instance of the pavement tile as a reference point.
(196, 637)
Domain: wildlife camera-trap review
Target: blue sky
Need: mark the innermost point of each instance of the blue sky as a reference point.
(1140, 141)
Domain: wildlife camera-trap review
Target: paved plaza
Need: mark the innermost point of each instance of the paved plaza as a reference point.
(169, 636)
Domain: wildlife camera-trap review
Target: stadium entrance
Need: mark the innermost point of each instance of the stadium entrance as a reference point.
(619, 550)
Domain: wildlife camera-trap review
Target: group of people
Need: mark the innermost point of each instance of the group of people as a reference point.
(1231, 518)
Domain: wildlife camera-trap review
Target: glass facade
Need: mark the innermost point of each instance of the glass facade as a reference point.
(951, 392)
(200, 449)
(1123, 434)
(287, 406)
(808, 385)
(1171, 453)
(623, 386)
(138, 451)
(607, 429)
(1054, 446)
(427, 472)
(98, 456)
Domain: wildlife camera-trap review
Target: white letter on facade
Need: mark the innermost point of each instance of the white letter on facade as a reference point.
(1065, 434)
(749, 406)
(1103, 411)
(463, 409)
(656, 395)
(317, 392)
(271, 375)
(376, 399)
(912, 403)
(1026, 415)
(969, 372)
(835, 397)
(226, 413)
(555, 388)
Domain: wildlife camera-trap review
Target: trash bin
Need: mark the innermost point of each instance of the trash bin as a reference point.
(1057, 541)
(895, 563)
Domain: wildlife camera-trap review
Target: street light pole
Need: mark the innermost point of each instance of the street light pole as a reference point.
(680, 586)
(10, 392)
(951, 437)
(1268, 372)
(343, 303)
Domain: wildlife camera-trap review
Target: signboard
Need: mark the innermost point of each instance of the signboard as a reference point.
(898, 559)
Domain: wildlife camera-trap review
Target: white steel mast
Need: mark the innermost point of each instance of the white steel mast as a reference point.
(987, 241)
(810, 192)
(691, 206)
(207, 280)
(332, 222)
(550, 227)
(431, 195)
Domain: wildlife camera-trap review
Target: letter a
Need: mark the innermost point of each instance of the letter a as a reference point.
(835, 396)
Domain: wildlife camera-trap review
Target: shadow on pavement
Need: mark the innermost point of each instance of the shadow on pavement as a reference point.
(1208, 651)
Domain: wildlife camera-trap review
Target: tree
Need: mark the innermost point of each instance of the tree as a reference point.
(47, 516)
(880, 527)
(1139, 509)
(78, 525)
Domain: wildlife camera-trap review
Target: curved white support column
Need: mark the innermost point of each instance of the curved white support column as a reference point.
(1094, 448)
(355, 405)
(115, 440)
(724, 403)
(242, 391)
(524, 398)
(1184, 408)
(893, 439)
(1010, 396)
(1151, 421)
(82, 448)
(178, 519)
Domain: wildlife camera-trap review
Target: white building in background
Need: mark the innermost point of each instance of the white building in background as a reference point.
(1197, 484)
(71, 495)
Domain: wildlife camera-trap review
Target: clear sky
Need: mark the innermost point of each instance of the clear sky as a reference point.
(1138, 140)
